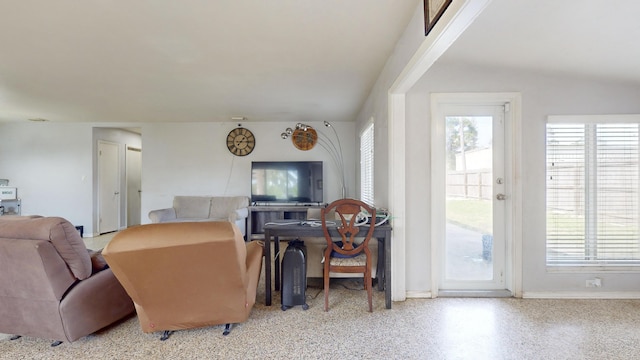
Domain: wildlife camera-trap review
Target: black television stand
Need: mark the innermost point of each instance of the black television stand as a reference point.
(261, 214)
(284, 203)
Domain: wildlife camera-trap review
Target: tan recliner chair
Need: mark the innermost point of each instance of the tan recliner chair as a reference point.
(186, 275)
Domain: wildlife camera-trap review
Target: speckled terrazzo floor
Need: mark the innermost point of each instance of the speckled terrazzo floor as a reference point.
(444, 328)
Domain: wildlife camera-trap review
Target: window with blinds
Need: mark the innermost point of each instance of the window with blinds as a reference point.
(366, 165)
(592, 191)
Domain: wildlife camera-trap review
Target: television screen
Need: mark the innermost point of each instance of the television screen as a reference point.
(286, 182)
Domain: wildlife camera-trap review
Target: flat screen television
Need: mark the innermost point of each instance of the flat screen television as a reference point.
(296, 182)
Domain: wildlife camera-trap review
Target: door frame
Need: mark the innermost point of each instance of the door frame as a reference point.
(137, 192)
(513, 162)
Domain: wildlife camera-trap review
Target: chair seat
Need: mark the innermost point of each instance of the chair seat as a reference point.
(360, 260)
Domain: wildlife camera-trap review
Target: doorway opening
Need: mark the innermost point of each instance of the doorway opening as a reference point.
(117, 170)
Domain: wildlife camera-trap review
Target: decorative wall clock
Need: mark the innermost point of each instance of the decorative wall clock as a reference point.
(304, 139)
(241, 141)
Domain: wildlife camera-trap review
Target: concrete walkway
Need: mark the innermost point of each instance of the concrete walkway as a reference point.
(464, 255)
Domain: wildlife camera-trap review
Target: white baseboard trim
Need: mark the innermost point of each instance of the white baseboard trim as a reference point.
(475, 293)
(418, 295)
(612, 295)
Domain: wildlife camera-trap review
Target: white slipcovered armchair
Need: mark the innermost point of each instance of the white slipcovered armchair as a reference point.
(234, 209)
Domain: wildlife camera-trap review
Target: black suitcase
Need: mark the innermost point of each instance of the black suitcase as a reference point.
(294, 275)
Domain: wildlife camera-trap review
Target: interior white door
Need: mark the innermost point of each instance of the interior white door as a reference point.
(133, 161)
(108, 187)
(473, 246)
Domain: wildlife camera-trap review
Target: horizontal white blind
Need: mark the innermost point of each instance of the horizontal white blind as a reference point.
(366, 165)
(592, 194)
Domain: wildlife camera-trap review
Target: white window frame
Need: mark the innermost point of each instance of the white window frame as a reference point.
(592, 214)
(367, 145)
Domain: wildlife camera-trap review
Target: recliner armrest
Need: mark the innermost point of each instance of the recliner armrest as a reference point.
(239, 214)
(94, 303)
(162, 215)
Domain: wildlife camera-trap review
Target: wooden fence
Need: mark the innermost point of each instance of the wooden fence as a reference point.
(472, 184)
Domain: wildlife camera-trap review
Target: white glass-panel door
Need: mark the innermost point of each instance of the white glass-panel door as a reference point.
(473, 246)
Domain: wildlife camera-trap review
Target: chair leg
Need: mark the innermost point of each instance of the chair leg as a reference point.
(326, 291)
(227, 329)
(166, 334)
(56, 343)
(369, 286)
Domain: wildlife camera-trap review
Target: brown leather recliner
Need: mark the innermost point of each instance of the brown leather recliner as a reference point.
(187, 275)
(48, 286)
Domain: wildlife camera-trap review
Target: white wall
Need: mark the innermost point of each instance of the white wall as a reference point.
(192, 159)
(542, 95)
(405, 240)
(377, 107)
(53, 164)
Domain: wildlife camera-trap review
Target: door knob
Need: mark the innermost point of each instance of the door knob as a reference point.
(116, 193)
(501, 197)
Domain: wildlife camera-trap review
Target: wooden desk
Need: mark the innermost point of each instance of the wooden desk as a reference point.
(274, 229)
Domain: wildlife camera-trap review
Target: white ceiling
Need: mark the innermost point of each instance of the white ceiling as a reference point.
(597, 39)
(275, 60)
(194, 60)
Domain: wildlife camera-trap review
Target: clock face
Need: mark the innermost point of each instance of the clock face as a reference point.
(304, 139)
(241, 141)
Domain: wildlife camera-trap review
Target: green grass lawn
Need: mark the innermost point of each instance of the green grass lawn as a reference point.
(569, 229)
(471, 214)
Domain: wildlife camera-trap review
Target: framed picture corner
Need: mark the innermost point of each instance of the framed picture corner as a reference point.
(433, 10)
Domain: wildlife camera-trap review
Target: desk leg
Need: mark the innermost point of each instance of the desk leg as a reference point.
(380, 272)
(387, 269)
(267, 268)
(276, 259)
